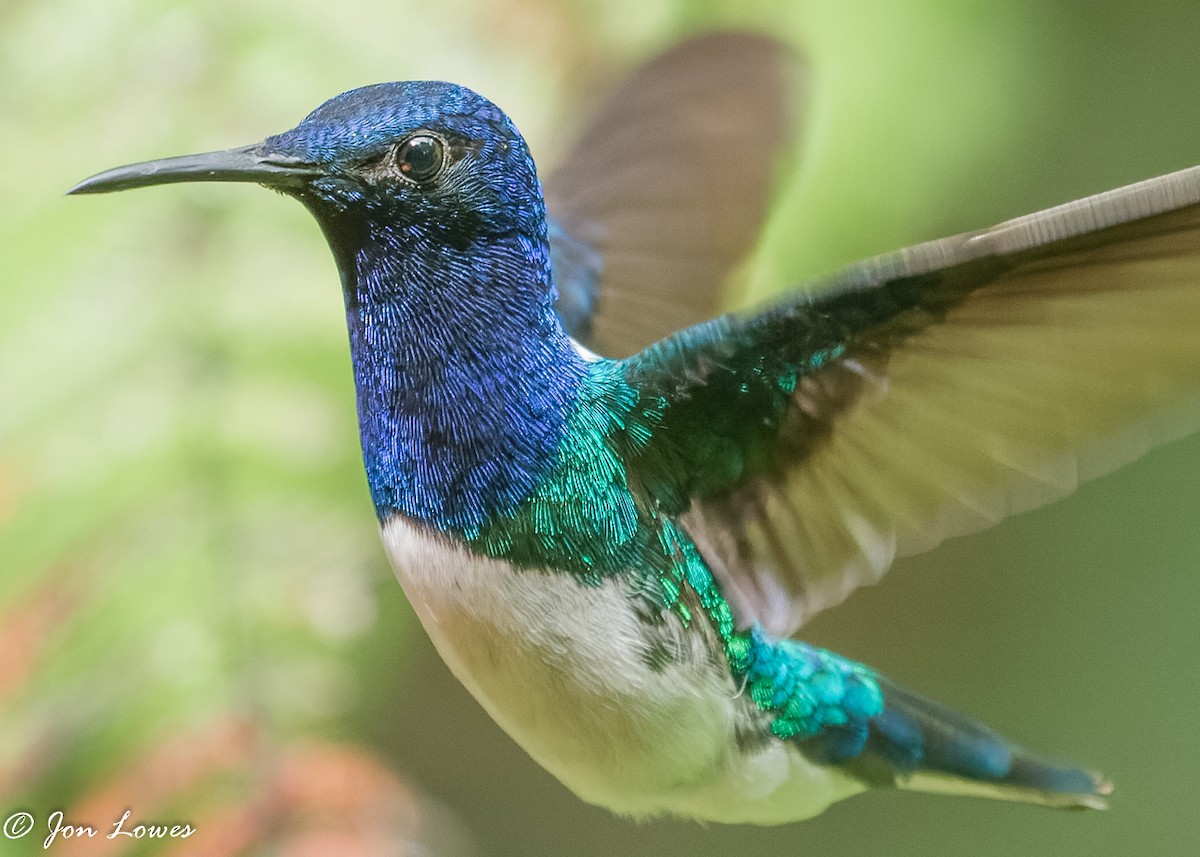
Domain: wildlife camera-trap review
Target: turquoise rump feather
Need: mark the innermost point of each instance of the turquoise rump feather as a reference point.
(614, 553)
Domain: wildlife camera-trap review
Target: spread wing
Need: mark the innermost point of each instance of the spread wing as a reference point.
(927, 393)
(667, 189)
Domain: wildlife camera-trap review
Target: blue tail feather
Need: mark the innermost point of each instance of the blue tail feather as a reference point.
(930, 747)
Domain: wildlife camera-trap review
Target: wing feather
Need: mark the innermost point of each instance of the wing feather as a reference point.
(933, 392)
(667, 189)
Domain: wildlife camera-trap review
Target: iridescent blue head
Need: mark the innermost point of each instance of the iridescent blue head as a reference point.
(429, 158)
(431, 204)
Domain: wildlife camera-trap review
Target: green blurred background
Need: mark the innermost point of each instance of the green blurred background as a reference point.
(193, 602)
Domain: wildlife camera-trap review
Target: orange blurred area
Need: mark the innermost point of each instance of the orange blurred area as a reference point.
(29, 627)
(229, 790)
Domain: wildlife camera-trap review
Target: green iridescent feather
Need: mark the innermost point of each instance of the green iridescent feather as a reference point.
(596, 517)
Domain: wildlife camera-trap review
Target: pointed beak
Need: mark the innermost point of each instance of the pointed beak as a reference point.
(246, 164)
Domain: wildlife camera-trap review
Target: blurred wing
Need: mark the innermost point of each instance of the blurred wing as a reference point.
(667, 188)
(927, 393)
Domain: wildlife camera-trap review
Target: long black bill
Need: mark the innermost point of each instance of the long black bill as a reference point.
(245, 164)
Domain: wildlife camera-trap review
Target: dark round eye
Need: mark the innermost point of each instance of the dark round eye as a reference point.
(420, 157)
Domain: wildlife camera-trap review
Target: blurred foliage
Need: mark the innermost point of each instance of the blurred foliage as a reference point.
(195, 616)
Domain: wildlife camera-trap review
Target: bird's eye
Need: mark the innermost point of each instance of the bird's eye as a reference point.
(420, 157)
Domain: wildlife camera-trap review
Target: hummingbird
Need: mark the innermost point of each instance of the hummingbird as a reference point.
(613, 509)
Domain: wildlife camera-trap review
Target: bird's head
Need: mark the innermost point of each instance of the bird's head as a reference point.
(431, 204)
(422, 159)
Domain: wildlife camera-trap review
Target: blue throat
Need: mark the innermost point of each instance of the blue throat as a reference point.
(464, 375)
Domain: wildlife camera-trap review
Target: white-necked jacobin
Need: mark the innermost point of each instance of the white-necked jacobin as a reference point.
(613, 553)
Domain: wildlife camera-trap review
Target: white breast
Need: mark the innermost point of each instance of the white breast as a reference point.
(562, 668)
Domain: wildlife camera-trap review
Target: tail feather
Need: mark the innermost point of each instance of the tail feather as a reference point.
(927, 747)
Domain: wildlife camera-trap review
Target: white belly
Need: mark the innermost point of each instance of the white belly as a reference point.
(562, 668)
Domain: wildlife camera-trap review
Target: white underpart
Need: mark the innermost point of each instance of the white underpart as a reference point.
(560, 666)
(585, 352)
